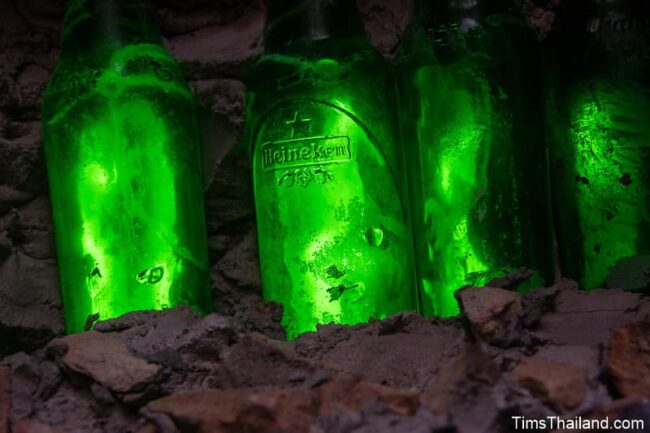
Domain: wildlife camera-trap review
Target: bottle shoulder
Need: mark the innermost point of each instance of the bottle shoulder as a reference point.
(112, 72)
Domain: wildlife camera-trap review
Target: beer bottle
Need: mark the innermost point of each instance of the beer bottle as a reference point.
(600, 143)
(122, 150)
(330, 198)
(474, 131)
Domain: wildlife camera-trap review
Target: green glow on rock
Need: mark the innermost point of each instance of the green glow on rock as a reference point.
(121, 143)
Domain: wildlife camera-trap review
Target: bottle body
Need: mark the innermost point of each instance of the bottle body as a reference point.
(600, 123)
(332, 220)
(479, 185)
(122, 152)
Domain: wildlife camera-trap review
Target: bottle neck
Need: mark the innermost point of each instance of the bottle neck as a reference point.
(458, 10)
(108, 23)
(292, 23)
(596, 16)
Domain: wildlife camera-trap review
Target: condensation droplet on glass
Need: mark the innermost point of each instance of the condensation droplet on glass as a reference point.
(151, 275)
(375, 236)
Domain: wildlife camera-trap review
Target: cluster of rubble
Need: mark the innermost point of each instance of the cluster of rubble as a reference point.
(555, 351)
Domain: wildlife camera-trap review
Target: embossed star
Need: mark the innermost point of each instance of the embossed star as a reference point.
(300, 126)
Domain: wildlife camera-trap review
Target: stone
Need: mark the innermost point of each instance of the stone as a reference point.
(30, 306)
(25, 378)
(225, 97)
(628, 360)
(21, 160)
(398, 352)
(10, 197)
(208, 341)
(491, 311)
(153, 335)
(577, 301)
(278, 410)
(33, 231)
(586, 357)
(511, 281)
(385, 22)
(106, 360)
(32, 81)
(32, 426)
(462, 389)
(587, 318)
(218, 49)
(540, 18)
(562, 386)
(256, 360)
(185, 16)
(5, 398)
(240, 263)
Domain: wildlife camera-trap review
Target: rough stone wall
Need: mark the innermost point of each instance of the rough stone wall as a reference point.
(213, 40)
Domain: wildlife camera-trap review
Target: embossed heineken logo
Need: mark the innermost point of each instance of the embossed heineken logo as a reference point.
(302, 149)
(305, 151)
(618, 25)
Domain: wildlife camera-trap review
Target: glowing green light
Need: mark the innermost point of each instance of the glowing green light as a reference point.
(125, 180)
(452, 132)
(333, 234)
(609, 133)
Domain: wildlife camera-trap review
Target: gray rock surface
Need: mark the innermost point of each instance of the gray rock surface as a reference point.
(171, 371)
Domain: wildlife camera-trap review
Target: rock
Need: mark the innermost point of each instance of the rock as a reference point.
(462, 390)
(25, 378)
(512, 280)
(21, 160)
(218, 49)
(225, 97)
(32, 81)
(537, 302)
(587, 318)
(586, 357)
(32, 426)
(153, 335)
(106, 360)
(399, 352)
(385, 21)
(5, 398)
(493, 313)
(30, 306)
(10, 197)
(464, 380)
(229, 198)
(562, 386)
(257, 361)
(540, 19)
(33, 231)
(208, 341)
(240, 264)
(628, 360)
(178, 17)
(576, 301)
(288, 410)
(6, 246)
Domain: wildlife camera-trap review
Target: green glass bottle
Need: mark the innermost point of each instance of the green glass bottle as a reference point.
(473, 119)
(599, 118)
(332, 221)
(122, 151)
